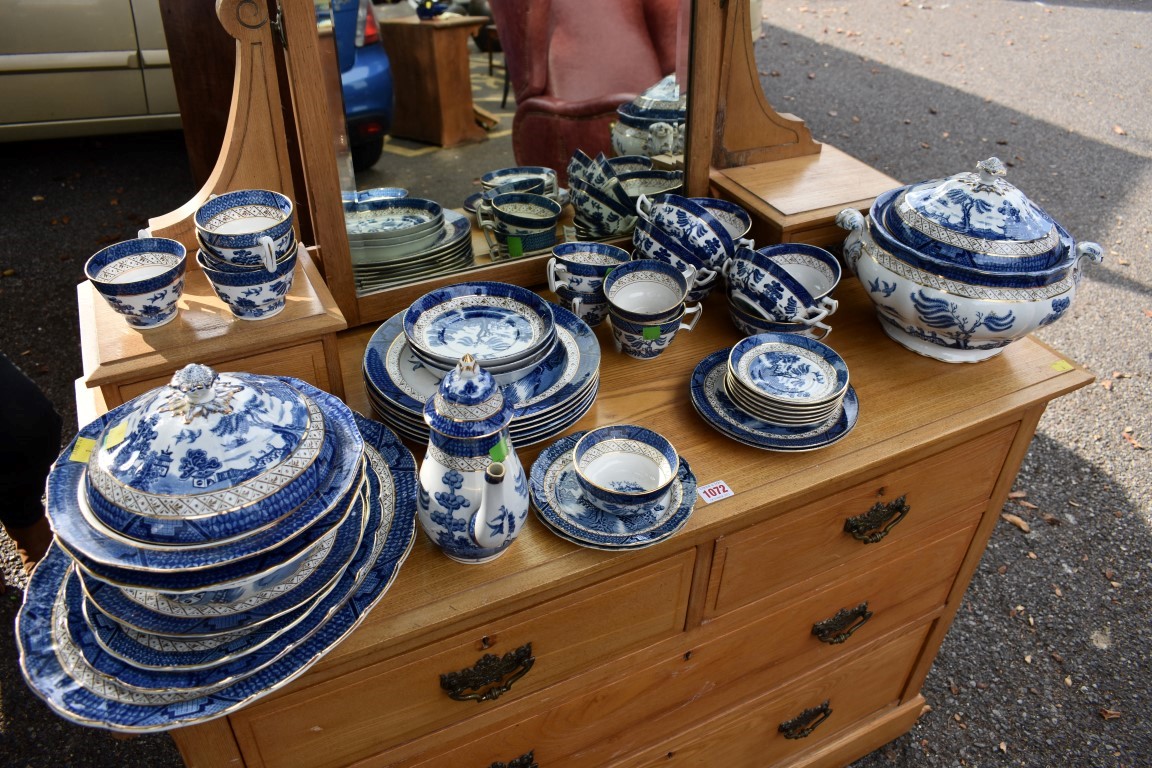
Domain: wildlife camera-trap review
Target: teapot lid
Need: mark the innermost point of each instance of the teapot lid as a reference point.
(218, 437)
(978, 211)
(469, 402)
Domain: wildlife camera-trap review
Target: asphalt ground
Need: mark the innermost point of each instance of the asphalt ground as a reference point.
(1048, 661)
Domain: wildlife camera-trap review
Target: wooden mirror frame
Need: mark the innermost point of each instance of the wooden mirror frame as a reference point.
(280, 136)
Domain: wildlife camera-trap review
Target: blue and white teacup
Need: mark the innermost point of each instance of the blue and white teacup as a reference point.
(521, 212)
(591, 308)
(686, 219)
(644, 341)
(504, 175)
(251, 294)
(529, 184)
(624, 469)
(647, 291)
(500, 241)
(581, 267)
(812, 267)
(771, 290)
(247, 227)
(141, 279)
(750, 322)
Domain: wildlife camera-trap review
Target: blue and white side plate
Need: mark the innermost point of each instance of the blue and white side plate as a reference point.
(559, 504)
(787, 368)
(716, 408)
(56, 669)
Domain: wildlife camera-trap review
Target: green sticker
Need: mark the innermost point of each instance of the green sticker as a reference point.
(651, 332)
(515, 249)
(499, 452)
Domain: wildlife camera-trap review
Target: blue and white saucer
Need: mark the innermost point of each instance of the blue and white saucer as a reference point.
(472, 201)
(715, 407)
(560, 506)
(57, 670)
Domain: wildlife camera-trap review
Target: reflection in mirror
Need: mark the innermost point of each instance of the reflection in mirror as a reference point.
(650, 42)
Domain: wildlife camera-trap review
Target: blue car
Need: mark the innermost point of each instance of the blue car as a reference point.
(365, 79)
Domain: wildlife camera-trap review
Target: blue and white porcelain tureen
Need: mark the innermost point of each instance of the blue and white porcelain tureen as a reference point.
(961, 267)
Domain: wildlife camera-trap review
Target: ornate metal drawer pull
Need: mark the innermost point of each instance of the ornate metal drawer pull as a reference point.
(803, 724)
(490, 677)
(836, 629)
(873, 525)
(526, 760)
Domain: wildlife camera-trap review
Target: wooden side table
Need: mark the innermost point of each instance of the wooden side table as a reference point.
(796, 200)
(121, 362)
(432, 79)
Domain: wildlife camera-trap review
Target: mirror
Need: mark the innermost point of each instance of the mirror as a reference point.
(429, 61)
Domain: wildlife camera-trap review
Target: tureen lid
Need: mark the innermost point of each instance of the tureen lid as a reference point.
(665, 95)
(469, 402)
(977, 212)
(223, 439)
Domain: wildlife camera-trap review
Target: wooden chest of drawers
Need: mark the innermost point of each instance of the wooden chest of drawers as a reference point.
(792, 623)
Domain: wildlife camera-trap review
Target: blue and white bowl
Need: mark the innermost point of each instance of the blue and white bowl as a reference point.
(141, 279)
(236, 226)
(625, 469)
(772, 290)
(251, 294)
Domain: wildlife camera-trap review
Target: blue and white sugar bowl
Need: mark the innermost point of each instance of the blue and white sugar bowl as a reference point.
(472, 499)
(960, 267)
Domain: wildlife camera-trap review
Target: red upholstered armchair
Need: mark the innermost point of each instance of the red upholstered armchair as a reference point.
(572, 62)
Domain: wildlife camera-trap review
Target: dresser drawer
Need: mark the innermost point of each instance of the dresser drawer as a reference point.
(827, 703)
(771, 649)
(389, 703)
(946, 488)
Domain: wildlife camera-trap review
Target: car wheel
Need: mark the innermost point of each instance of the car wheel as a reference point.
(365, 155)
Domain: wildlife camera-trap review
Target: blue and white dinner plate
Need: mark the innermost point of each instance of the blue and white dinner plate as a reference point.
(560, 506)
(133, 563)
(394, 373)
(55, 668)
(716, 408)
(455, 231)
(154, 612)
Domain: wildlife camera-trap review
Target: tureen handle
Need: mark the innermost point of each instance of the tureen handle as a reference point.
(853, 221)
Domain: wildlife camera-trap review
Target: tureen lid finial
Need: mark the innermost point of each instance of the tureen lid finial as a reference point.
(195, 381)
(990, 169)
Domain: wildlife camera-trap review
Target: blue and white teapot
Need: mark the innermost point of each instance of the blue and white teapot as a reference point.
(473, 497)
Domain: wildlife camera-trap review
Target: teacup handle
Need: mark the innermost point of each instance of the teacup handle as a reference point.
(556, 272)
(488, 228)
(705, 277)
(820, 331)
(813, 319)
(644, 207)
(696, 311)
(689, 278)
(269, 248)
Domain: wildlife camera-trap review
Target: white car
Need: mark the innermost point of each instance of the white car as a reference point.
(83, 67)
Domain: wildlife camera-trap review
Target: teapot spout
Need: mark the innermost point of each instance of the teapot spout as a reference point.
(488, 526)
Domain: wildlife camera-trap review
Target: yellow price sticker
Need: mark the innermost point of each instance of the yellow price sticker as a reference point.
(116, 435)
(1062, 365)
(82, 451)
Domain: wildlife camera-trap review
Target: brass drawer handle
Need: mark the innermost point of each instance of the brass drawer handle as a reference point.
(803, 724)
(873, 525)
(490, 677)
(836, 629)
(526, 760)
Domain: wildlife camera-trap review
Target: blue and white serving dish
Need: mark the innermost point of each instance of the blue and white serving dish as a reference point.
(93, 670)
(960, 267)
(561, 505)
(141, 279)
(717, 409)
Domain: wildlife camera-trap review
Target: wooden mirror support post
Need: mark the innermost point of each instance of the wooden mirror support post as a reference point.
(121, 362)
(742, 150)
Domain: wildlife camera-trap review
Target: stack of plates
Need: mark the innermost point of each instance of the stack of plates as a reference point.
(553, 396)
(557, 497)
(394, 241)
(214, 539)
(778, 392)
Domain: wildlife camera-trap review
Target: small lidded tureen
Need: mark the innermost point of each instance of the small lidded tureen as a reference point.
(961, 267)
